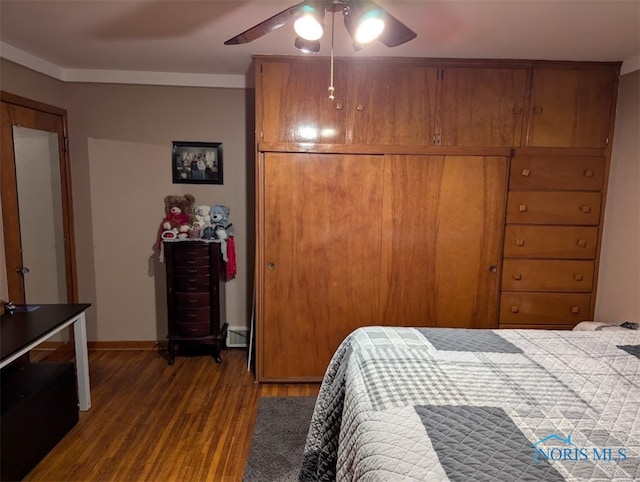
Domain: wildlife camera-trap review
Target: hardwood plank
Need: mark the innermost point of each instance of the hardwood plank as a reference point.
(151, 421)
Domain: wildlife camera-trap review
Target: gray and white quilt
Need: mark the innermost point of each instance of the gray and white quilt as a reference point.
(432, 404)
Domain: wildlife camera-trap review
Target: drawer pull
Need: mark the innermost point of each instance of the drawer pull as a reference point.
(519, 242)
(537, 109)
(578, 277)
(192, 300)
(582, 243)
(526, 172)
(517, 110)
(339, 106)
(515, 309)
(575, 310)
(588, 173)
(522, 208)
(517, 276)
(191, 261)
(192, 315)
(193, 271)
(192, 280)
(360, 107)
(586, 209)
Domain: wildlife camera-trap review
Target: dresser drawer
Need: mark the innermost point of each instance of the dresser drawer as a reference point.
(556, 173)
(553, 207)
(192, 263)
(192, 270)
(544, 308)
(192, 284)
(193, 315)
(193, 300)
(572, 242)
(187, 251)
(193, 329)
(547, 275)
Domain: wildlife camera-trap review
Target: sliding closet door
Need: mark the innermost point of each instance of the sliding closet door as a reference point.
(322, 224)
(441, 240)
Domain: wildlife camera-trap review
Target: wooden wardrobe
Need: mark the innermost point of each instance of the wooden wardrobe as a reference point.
(442, 193)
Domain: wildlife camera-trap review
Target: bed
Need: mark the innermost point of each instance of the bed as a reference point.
(433, 404)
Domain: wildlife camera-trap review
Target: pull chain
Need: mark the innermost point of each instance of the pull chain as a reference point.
(331, 87)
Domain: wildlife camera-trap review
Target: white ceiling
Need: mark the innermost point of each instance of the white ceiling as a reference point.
(181, 41)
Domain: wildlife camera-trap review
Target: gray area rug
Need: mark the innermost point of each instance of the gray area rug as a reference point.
(278, 439)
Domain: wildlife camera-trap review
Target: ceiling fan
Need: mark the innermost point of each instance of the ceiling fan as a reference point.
(364, 20)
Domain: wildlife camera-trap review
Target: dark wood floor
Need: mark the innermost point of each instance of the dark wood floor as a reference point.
(150, 421)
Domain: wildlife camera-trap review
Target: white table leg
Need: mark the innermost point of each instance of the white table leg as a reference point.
(82, 363)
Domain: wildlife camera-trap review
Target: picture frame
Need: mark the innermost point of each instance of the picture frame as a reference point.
(197, 163)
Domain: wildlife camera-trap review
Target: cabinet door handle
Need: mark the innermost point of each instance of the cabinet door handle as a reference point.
(517, 110)
(517, 276)
(537, 109)
(588, 173)
(582, 243)
(360, 107)
(526, 172)
(522, 208)
(575, 310)
(339, 106)
(515, 309)
(519, 242)
(586, 209)
(578, 277)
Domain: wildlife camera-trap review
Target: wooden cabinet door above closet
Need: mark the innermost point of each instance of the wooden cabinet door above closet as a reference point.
(392, 103)
(482, 106)
(295, 103)
(570, 107)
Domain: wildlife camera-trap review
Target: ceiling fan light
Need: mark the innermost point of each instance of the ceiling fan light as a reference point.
(369, 28)
(309, 24)
(307, 46)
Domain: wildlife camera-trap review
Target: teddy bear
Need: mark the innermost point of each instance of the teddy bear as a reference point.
(201, 215)
(178, 217)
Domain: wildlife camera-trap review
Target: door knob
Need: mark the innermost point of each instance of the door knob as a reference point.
(23, 270)
(271, 266)
(492, 269)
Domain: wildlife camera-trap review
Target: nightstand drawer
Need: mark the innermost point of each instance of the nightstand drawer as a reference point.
(193, 329)
(192, 284)
(571, 242)
(558, 173)
(547, 275)
(193, 300)
(544, 308)
(553, 207)
(193, 315)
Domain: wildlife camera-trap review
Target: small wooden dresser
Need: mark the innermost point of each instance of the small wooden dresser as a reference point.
(195, 295)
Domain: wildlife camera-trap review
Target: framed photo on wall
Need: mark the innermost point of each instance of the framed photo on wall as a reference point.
(197, 162)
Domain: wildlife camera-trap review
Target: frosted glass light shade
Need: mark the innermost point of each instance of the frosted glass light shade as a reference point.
(308, 27)
(369, 29)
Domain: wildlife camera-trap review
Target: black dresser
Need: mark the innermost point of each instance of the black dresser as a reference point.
(195, 295)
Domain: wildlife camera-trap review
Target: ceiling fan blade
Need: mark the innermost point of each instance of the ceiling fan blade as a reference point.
(395, 32)
(266, 26)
